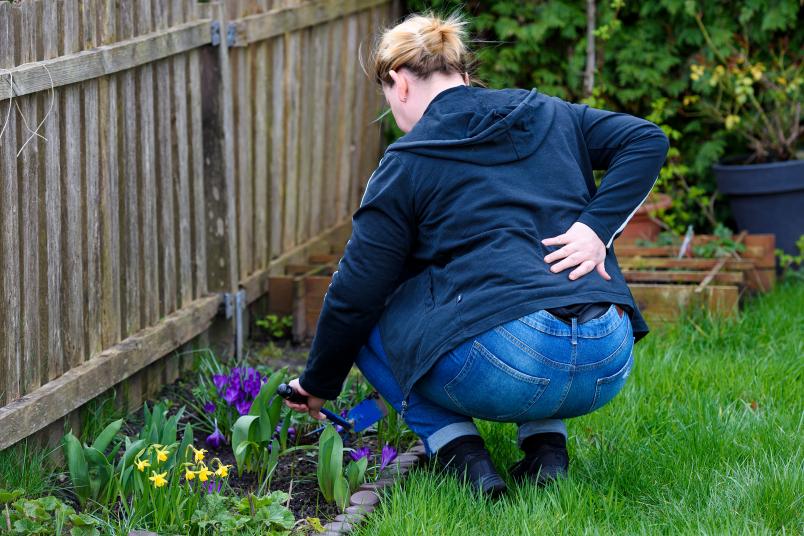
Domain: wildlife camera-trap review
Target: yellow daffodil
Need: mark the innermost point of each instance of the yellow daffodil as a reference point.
(188, 474)
(203, 473)
(757, 70)
(158, 479)
(142, 464)
(732, 121)
(696, 71)
(161, 453)
(222, 470)
(690, 99)
(199, 454)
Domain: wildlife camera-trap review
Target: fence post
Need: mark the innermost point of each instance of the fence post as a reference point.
(219, 193)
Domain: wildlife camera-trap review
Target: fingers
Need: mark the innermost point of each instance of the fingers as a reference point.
(601, 269)
(584, 268)
(559, 254)
(301, 408)
(556, 240)
(317, 415)
(573, 260)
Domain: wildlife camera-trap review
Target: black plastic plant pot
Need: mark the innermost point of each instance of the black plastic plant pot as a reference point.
(766, 198)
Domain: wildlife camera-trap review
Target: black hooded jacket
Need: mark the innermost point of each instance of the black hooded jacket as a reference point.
(447, 241)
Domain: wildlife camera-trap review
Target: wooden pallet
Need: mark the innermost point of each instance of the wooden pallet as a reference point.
(300, 292)
(664, 286)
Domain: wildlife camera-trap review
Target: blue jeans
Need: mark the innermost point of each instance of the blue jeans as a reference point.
(533, 371)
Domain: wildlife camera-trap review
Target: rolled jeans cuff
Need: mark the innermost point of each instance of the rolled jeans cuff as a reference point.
(446, 434)
(542, 426)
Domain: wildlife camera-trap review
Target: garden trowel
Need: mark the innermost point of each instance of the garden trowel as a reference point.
(357, 419)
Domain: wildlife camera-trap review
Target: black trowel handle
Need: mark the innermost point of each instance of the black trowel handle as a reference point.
(289, 393)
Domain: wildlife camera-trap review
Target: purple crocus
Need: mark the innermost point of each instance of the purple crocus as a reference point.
(214, 486)
(209, 407)
(220, 381)
(362, 452)
(291, 431)
(243, 406)
(232, 394)
(252, 383)
(216, 438)
(388, 455)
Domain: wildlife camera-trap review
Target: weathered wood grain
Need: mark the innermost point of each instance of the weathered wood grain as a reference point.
(110, 322)
(28, 180)
(88, 380)
(107, 59)
(10, 349)
(292, 18)
(292, 105)
(198, 212)
(73, 260)
(346, 173)
(53, 207)
(91, 202)
(278, 116)
(262, 153)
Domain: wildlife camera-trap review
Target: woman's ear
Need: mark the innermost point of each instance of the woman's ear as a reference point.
(400, 85)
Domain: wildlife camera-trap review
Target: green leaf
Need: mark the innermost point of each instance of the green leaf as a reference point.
(355, 473)
(7, 497)
(186, 441)
(245, 429)
(341, 492)
(77, 465)
(107, 435)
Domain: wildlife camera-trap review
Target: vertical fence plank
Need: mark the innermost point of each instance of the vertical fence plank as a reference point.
(73, 281)
(319, 52)
(109, 188)
(241, 71)
(181, 168)
(262, 152)
(149, 261)
(91, 128)
(53, 207)
(278, 144)
(359, 110)
(292, 74)
(28, 180)
(129, 190)
(305, 111)
(346, 146)
(9, 234)
(219, 170)
(334, 116)
(199, 242)
(164, 166)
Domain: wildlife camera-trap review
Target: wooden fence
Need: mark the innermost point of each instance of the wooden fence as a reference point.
(155, 157)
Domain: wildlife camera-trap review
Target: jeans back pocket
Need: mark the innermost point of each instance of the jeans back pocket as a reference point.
(488, 388)
(606, 388)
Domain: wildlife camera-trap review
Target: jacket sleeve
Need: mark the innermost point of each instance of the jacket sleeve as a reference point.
(632, 150)
(383, 231)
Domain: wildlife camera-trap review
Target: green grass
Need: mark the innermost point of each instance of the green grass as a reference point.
(27, 467)
(706, 438)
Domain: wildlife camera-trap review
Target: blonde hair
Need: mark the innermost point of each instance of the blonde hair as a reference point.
(424, 44)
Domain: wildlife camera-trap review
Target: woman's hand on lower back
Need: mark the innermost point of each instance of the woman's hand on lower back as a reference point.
(581, 248)
(313, 405)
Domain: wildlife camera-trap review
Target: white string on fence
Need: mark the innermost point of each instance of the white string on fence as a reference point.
(13, 103)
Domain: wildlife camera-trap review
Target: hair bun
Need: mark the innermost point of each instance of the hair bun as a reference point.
(424, 44)
(440, 37)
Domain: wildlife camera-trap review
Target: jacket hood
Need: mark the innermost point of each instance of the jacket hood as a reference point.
(479, 125)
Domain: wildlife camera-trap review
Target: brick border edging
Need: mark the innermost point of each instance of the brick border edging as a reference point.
(366, 499)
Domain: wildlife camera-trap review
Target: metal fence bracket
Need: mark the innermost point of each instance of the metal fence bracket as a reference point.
(215, 29)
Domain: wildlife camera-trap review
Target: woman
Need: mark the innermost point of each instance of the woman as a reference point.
(452, 296)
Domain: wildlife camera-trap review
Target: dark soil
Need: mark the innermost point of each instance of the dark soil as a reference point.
(296, 472)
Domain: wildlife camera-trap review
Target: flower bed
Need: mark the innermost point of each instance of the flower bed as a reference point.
(217, 453)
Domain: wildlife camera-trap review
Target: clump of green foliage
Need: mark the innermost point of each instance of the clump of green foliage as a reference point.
(722, 245)
(276, 326)
(792, 264)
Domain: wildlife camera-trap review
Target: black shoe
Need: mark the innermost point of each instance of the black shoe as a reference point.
(546, 459)
(467, 457)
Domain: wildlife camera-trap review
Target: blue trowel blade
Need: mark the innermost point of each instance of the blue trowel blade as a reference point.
(367, 413)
